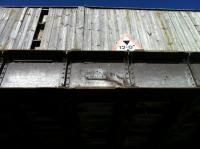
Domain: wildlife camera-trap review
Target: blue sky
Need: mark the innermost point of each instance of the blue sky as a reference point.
(177, 4)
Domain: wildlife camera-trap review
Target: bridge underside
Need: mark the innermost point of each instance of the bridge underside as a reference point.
(100, 99)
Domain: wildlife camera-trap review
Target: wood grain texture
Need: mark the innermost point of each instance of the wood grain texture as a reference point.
(100, 29)
(17, 27)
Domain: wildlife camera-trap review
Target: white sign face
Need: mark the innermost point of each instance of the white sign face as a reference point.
(126, 43)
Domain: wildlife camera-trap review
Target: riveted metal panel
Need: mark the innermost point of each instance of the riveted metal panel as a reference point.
(97, 70)
(34, 75)
(161, 75)
(98, 75)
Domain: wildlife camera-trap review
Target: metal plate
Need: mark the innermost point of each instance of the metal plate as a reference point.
(161, 75)
(34, 75)
(196, 72)
(84, 75)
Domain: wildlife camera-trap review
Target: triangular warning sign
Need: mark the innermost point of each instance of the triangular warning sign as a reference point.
(126, 43)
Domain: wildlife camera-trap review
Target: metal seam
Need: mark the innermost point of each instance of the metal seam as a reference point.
(2, 73)
(68, 75)
(190, 70)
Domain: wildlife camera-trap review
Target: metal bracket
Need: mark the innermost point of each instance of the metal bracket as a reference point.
(130, 74)
(63, 75)
(68, 74)
(192, 77)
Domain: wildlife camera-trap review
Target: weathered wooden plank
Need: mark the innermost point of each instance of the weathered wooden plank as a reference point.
(72, 30)
(88, 30)
(4, 19)
(31, 29)
(186, 32)
(15, 29)
(126, 22)
(79, 28)
(113, 29)
(123, 23)
(179, 31)
(162, 44)
(47, 30)
(164, 30)
(95, 29)
(119, 23)
(134, 28)
(69, 29)
(23, 29)
(150, 32)
(170, 31)
(8, 28)
(106, 38)
(195, 17)
(2, 13)
(63, 33)
(193, 31)
(55, 30)
(100, 29)
(142, 30)
(156, 39)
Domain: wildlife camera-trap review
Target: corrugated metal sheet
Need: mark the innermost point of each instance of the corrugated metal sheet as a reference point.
(98, 29)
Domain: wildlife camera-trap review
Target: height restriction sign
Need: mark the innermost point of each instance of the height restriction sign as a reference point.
(126, 43)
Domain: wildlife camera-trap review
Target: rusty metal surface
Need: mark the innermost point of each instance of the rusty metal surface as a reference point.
(34, 75)
(98, 75)
(162, 75)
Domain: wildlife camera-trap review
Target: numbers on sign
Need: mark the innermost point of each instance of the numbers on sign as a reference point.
(127, 47)
(130, 47)
(122, 47)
